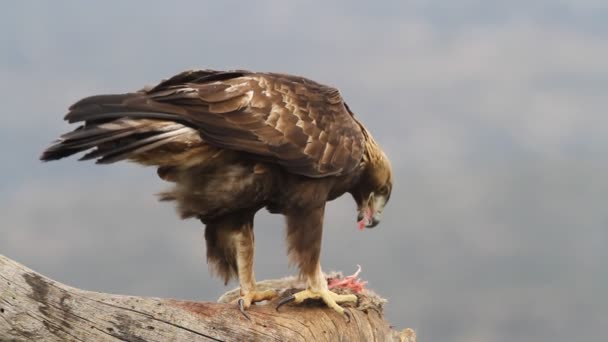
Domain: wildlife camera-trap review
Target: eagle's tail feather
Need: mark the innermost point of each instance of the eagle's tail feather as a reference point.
(117, 127)
(102, 108)
(116, 140)
(136, 147)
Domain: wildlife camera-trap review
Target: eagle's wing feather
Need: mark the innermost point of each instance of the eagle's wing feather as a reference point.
(300, 124)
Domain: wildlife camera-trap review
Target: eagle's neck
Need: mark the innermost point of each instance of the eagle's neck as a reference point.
(363, 178)
(373, 155)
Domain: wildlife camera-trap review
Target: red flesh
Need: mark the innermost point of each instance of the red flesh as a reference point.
(351, 282)
(366, 219)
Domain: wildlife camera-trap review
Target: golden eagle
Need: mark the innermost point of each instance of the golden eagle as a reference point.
(234, 142)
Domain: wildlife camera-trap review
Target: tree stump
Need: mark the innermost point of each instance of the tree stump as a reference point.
(35, 308)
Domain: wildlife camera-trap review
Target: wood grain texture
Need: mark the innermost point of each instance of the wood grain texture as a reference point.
(33, 307)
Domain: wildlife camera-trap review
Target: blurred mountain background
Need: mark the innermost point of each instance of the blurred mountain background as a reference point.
(493, 113)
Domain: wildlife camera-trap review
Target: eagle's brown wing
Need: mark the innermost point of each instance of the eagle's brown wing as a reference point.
(300, 124)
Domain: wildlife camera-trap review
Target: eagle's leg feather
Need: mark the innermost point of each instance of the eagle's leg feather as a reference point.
(244, 249)
(304, 233)
(230, 252)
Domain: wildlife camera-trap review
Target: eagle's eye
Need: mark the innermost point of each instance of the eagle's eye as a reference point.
(383, 190)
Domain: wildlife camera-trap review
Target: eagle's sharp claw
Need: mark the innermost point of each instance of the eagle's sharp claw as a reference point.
(285, 301)
(347, 315)
(241, 303)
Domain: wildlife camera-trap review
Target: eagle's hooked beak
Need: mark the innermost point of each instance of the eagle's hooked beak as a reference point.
(371, 212)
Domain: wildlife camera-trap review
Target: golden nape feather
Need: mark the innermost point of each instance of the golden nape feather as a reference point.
(234, 142)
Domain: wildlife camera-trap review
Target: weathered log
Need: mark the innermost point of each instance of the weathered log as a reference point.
(35, 308)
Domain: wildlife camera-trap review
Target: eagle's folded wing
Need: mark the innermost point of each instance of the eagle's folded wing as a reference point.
(295, 122)
(304, 126)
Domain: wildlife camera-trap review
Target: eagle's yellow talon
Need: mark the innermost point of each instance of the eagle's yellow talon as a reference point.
(330, 298)
(245, 301)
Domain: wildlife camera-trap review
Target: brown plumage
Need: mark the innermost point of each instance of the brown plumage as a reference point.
(233, 143)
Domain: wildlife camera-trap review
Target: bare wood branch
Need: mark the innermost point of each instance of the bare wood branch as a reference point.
(33, 307)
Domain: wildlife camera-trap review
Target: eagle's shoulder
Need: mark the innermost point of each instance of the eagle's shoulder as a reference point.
(303, 125)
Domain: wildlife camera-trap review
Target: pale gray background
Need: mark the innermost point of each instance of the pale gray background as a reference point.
(494, 114)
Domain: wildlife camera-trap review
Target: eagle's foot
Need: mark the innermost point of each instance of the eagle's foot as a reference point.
(330, 298)
(245, 300)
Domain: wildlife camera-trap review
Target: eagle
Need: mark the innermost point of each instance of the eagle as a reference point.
(234, 142)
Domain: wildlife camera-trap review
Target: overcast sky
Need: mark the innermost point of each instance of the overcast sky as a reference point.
(493, 113)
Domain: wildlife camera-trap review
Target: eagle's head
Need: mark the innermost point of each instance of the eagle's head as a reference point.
(373, 190)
